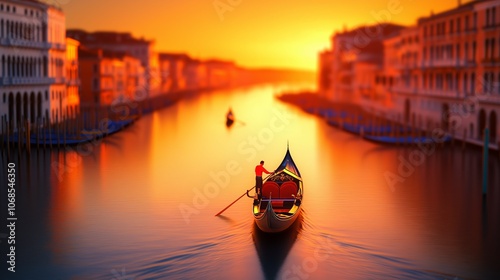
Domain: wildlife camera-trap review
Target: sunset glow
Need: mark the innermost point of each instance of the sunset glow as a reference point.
(253, 33)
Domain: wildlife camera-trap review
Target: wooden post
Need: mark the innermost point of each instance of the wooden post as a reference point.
(64, 132)
(485, 160)
(463, 139)
(28, 137)
(3, 135)
(57, 129)
(8, 140)
(19, 136)
(50, 135)
(38, 134)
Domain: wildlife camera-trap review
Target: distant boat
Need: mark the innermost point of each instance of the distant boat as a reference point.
(404, 140)
(229, 118)
(282, 195)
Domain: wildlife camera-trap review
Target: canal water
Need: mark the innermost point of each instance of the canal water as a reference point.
(141, 204)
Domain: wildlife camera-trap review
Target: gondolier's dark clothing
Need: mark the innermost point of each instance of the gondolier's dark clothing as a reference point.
(259, 169)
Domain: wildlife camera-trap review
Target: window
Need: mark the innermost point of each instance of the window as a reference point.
(465, 81)
(4, 98)
(486, 82)
(95, 84)
(467, 23)
(451, 26)
(459, 22)
(498, 83)
(474, 23)
(466, 55)
(487, 23)
(486, 49)
(474, 50)
(492, 55)
(473, 83)
(494, 16)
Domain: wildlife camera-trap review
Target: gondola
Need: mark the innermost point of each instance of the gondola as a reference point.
(229, 118)
(282, 195)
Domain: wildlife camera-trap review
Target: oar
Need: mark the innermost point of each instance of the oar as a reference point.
(242, 122)
(234, 201)
(238, 199)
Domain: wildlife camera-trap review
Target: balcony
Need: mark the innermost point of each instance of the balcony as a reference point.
(18, 81)
(58, 46)
(491, 62)
(447, 63)
(404, 89)
(11, 42)
(491, 27)
(59, 80)
(73, 82)
(400, 89)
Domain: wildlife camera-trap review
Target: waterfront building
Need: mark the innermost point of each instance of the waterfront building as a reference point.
(124, 42)
(109, 78)
(196, 74)
(221, 73)
(443, 72)
(33, 57)
(72, 78)
(172, 67)
(454, 87)
(349, 69)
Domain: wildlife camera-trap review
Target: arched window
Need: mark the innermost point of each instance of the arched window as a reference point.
(32, 108)
(18, 108)
(481, 123)
(11, 109)
(39, 105)
(7, 28)
(493, 127)
(45, 66)
(3, 66)
(25, 107)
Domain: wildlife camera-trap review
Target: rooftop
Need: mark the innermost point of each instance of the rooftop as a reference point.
(105, 37)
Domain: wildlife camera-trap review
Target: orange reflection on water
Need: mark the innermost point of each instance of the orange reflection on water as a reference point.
(122, 203)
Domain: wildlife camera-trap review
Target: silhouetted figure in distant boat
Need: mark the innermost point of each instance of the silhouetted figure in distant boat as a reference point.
(229, 118)
(259, 169)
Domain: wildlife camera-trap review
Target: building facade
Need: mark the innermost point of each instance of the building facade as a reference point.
(109, 78)
(172, 67)
(349, 69)
(443, 72)
(72, 101)
(140, 48)
(33, 55)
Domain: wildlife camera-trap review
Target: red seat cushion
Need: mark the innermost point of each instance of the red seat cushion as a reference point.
(270, 189)
(287, 189)
(277, 204)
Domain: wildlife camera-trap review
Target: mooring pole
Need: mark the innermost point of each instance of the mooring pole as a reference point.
(485, 160)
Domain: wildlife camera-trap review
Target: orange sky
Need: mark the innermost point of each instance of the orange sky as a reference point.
(254, 33)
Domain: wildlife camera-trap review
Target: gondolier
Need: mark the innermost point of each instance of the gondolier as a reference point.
(259, 169)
